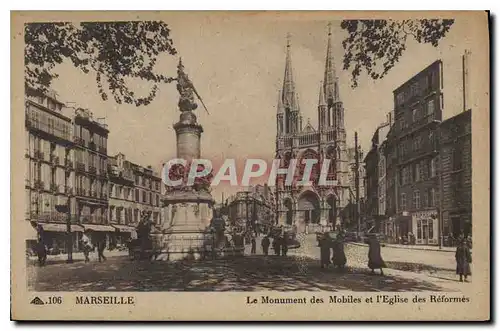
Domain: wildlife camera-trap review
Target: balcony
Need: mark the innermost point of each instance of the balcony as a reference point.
(54, 159)
(39, 185)
(94, 194)
(92, 146)
(49, 216)
(92, 170)
(68, 190)
(69, 164)
(27, 183)
(54, 188)
(39, 155)
(308, 139)
(79, 141)
(80, 166)
(81, 192)
(102, 150)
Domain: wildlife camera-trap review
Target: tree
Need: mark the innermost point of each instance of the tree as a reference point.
(376, 45)
(115, 51)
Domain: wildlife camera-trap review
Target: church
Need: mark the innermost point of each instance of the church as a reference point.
(312, 207)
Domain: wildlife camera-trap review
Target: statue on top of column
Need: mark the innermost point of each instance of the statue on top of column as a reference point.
(186, 90)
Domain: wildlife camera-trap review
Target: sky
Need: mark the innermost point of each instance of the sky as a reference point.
(237, 66)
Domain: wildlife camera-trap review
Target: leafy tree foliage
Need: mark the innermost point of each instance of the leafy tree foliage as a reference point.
(376, 45)
(115, 51)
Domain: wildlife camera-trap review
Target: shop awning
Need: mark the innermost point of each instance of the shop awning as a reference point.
(60, 227)
(99, 227)
(123, 228)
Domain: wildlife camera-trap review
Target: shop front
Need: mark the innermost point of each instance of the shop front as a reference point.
(425, 227)
(99, 232)
(55, 236)
(402, 227)
(122, 235)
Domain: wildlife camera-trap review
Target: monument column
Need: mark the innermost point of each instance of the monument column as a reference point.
(187, 209)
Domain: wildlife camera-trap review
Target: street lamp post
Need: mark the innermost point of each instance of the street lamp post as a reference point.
(66, 208)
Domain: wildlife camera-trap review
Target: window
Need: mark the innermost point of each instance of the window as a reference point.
(425, 199)
(456, 158)
(431, 140)
(136, 180)
(151, 201)
(136, 195)
(432, 197)
(111, 192)
(423, 170)
(418, 170)
(400, 98)
(403, 201)
(415, 115)
(430, 107)
(431, 228)
(52, 104)
(416, 199)
(417, 143)
(433, 167)
(402, 123)
(144, 196)
(157, 200)
(136, 215)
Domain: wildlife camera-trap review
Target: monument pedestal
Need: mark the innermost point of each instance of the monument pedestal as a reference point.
(186, 234)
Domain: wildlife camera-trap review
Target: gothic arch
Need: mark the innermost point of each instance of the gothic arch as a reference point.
(309, 204)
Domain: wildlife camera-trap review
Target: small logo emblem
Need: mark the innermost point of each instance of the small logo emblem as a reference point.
(37, 301)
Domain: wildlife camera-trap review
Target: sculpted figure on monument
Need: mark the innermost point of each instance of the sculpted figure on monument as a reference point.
(185, 89)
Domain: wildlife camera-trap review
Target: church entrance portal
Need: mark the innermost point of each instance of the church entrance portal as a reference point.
(308, 206)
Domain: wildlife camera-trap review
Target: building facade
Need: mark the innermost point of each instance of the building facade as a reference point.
(255, 207)
(312, 205)
(91, 175)
(49, 170)
(456, 165)
(375, 179)
(411, 151)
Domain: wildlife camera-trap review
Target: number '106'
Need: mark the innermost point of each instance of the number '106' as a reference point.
(54, 300)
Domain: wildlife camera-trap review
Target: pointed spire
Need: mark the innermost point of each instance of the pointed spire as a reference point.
(330, 79)
(321, 101)
(280, 103)
(288, 92)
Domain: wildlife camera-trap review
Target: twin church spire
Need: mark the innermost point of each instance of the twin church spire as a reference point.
(288, 100)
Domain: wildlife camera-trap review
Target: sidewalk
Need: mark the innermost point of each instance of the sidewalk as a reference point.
(78, 256)
(415, 247)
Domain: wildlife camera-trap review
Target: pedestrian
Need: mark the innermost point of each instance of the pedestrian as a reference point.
(41, 252)
(265, 245)
(339, 259)
(325, 245)
(86, 251)
(277, 246)
(463, 257)
(450, 240)
(101, 246)
(254, 245)
(284, 245)
(374, 256)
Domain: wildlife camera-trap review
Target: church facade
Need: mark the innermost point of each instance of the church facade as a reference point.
(308, 207)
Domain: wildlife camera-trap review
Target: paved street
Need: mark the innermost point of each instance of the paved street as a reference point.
(299, 271)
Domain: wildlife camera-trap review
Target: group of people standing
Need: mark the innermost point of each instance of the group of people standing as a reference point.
(329, 245)
(279, 245)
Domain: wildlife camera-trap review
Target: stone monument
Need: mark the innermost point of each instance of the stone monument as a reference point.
(187, 210)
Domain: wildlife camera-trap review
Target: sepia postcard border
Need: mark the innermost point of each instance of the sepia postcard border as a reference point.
(233, 306)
